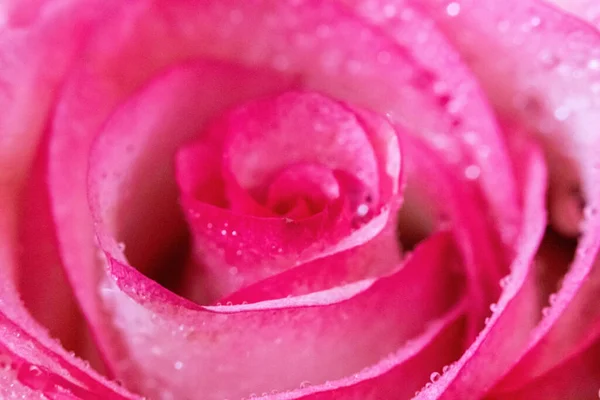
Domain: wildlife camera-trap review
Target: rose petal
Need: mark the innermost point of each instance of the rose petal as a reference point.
(411, 365)
(555, 87)
(536, 81)
(514, 314)
(319, 329)
(374, 258)
(255, 247)
(33, 36)
(47, 368)
(576, 377)
(586, 9)
(459, 126)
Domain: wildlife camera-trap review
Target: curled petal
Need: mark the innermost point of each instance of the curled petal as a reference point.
(514, 314)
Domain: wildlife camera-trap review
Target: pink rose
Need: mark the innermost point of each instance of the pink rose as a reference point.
(287, 199)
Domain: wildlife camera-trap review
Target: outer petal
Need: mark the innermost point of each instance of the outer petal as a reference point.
(514, 314)
(360, 323)
(586, 9)
(549, 85)
(575, 378)
(544, 78)
(469, 139)
(34, 361)
(401, 373)
(34, 35)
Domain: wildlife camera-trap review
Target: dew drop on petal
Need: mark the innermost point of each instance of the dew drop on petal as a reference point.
(434, 377)
(504, 282)
(472, 172)
(362, 210)
(453, 9)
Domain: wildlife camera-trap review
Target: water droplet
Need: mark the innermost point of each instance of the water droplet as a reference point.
(562, 113)
(233, 270)
(453, 9)
(535, 21)
(178, 365)
(504, 282)
(233, 233)
(594, 64)
(224, 232)
(434, 377)
(445, 369)
(32, 376)
(546, 311)
(362, 210)
(209, 225)
(304, 384)
(493, 307)
(472, 172)
(552, 299)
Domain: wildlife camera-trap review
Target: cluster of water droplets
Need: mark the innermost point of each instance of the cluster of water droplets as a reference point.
(435, 377)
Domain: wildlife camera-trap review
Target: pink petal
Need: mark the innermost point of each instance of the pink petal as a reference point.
(585, 9)
(538, 82)
(555, 86)
(353, 323)
(457, 204)
(376, 257)
(514, 314)
(457, 123)
(400, 374)
(576, 377)
(34, 35)
(355, 155)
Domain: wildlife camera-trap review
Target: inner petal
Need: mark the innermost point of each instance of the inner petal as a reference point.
(267, 136)
(301, 176)
(302, 189)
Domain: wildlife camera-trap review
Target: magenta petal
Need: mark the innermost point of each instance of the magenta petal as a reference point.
(267, 136)
(457, 122)
(576, 377)
(40, 364)
(514, 314)
(544, 78)
(411, 365)
(586, 9)
(376, 257)
(348, 158)
(360, 323)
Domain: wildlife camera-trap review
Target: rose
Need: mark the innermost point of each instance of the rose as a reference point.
(107, 107)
